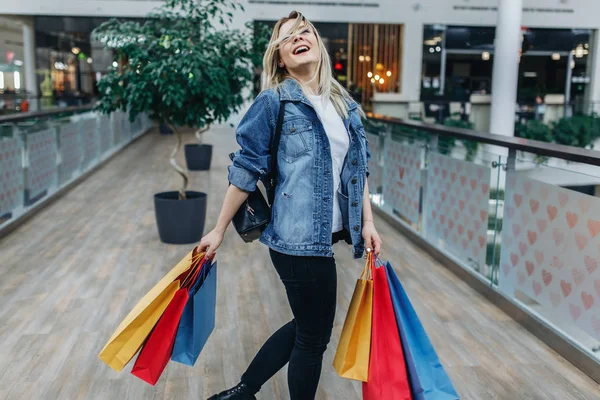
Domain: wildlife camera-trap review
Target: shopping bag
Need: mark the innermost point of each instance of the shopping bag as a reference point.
(137, 325)
(157, 351)
(388, 378)
(428, 379)
(198, 319)
(352, 355)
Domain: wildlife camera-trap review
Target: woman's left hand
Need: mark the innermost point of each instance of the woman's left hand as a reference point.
(372, 239)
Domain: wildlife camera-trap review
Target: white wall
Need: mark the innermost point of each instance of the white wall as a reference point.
(576, 13)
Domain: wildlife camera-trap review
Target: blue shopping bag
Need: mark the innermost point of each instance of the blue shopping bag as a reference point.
(198, 319)
(428, 379)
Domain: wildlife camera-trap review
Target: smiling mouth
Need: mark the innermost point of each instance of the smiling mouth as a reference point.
(301, 49)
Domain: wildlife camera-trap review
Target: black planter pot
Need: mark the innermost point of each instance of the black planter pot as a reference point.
(164, 129)
(198, 156)
(180, 221)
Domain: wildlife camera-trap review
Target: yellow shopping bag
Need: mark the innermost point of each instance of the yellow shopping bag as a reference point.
(137, 325)
(352, 355)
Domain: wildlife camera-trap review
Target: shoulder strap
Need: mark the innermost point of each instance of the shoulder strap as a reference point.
(274, 150)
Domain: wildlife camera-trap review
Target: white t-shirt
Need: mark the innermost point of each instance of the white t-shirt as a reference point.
(339, 143)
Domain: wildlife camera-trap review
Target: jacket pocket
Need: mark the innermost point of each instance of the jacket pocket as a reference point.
(296, 139)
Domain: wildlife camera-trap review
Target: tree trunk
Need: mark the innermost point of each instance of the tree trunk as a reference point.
(200, 131)
(179, 169)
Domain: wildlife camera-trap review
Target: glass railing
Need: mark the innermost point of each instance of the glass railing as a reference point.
(527, 224)
(41, 153)
(11, 104)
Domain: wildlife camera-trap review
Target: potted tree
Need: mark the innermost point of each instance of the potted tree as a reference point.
(183, 66)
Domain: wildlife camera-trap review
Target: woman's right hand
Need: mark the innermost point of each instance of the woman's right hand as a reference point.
(210, 243)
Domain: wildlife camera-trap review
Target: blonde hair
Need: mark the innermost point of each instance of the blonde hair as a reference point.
(273, 75)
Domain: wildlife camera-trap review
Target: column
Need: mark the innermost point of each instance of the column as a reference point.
(29, 61)
(592, 90)
(506, 67)
(412, 60)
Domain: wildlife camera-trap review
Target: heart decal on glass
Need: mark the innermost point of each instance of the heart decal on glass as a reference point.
(529, 266)
(578, 276)
(591, 264)
(539, 256)
(532, 236)
(514, 259)
(555, 299)
(581, 241)
(522, 248)
(571, 219)
(594, 227)
(541, 225)
(575, 311)
(563, 198)
(565, 287)
(546, 277)
(587, 299)
(534, 205)
(518, 199)
(552, 212)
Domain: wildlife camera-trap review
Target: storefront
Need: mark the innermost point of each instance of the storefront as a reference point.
(554, 66)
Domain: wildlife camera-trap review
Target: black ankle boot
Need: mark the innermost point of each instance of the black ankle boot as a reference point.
(240, 392)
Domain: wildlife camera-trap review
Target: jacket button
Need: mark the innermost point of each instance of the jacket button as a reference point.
(354, 162)
(354, 181)
(356, 228)
(354, 204)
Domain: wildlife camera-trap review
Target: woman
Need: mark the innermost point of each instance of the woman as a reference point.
(321, 198)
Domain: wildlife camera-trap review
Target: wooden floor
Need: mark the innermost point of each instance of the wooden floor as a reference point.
(70, 274)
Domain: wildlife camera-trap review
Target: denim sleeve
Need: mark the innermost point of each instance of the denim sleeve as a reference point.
(368, 155)
(253, 134)
(366, 146)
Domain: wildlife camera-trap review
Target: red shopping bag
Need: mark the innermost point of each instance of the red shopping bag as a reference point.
(388, 379)
(156, 353)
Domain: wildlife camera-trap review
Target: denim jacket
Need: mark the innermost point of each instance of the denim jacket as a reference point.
(302, 211)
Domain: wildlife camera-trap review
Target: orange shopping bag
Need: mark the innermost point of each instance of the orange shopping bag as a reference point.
(352, 355)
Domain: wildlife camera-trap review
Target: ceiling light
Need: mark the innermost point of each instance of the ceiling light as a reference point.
(382, 81)
(361, 58)
(369, 74)
(485, 56)
(377, 77)
(115, 64)
(76, 50)
(368, 58)
(555, 56)
(90, 60)
(389, 73)
(372, 80)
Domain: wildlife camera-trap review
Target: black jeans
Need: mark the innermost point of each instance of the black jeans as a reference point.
(311, 284)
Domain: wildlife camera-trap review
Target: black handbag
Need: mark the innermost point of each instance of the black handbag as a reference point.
(255, 214)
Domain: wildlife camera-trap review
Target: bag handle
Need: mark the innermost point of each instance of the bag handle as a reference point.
(274, 151)
(369, 264)
(194, 271)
